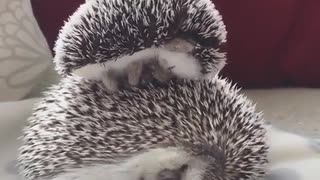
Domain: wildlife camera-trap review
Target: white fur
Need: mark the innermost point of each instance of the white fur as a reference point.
(145, 165)
(185, 65)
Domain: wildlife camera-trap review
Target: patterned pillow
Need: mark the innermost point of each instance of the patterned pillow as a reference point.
(24, 53)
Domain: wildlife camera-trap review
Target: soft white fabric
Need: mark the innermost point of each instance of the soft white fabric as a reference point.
(293, 109)
(24, 53)
(13, 116)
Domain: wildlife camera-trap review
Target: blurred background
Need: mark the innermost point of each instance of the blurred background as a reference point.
(273, 53)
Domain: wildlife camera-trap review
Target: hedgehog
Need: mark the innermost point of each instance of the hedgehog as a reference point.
(107, 36)
(182, 129)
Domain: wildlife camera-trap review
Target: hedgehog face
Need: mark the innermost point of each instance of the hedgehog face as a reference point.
(106, 34)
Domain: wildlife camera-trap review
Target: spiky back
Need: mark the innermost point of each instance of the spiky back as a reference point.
(104, 30)
(78, 123)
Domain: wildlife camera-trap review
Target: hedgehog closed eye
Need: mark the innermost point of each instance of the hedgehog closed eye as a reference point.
(169, 174)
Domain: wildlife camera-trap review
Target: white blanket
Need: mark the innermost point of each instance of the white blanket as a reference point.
(13, 117)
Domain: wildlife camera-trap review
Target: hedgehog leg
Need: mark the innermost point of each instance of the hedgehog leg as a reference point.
(285, 146)
(109, 80)
(134, 71)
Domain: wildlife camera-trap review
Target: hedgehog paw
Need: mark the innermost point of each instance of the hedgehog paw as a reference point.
(134, 71)
(110, 82)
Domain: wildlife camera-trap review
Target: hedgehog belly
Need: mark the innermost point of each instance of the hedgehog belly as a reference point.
(79, 124)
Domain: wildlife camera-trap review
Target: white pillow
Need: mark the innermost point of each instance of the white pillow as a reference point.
(24, 53)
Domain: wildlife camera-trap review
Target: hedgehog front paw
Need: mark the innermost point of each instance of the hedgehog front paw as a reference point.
(134, 71)
(110, 81)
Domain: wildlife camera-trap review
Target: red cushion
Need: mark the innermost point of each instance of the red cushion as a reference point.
(302, 60)
(271, 43)
(51, 15)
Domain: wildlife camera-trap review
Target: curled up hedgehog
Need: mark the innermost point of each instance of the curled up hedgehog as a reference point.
(195, 126)
(183, 129)
(185, 37)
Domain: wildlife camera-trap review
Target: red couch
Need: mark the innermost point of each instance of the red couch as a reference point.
(271, 43)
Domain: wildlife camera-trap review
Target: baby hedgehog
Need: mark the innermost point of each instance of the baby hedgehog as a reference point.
(179, 130)
(103, 36)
